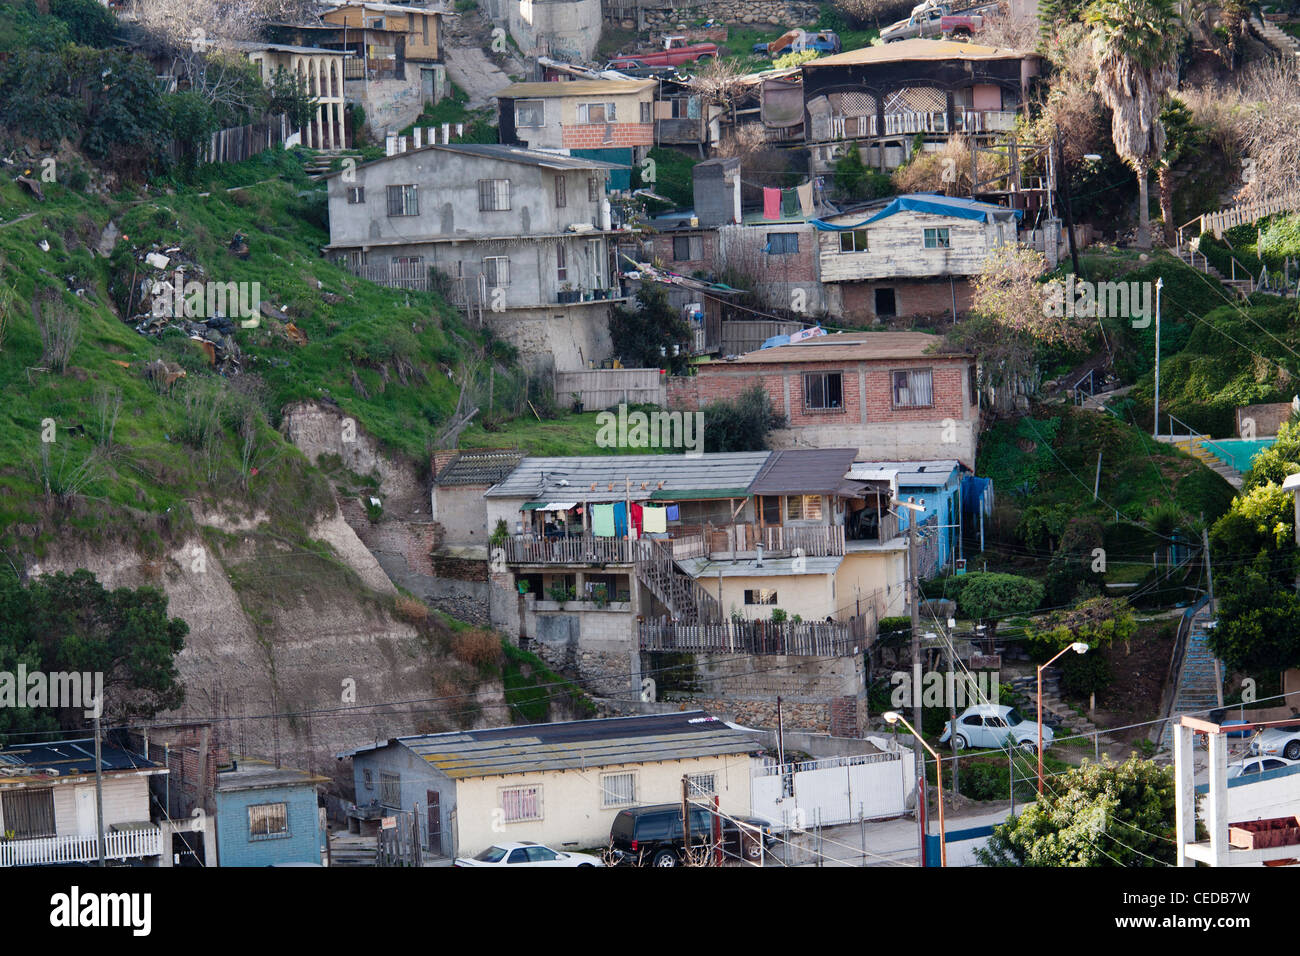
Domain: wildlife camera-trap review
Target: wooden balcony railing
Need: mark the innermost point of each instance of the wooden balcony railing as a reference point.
(574, 549)
(121, 845)
(807, 639)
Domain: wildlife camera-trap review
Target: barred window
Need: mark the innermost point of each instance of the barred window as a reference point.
(701, 784)
(913, 388)
(617, 789)
(390, 789)
(404, 200)
(268, 821)
(356, 194)
(593, 189)
(496, 269)
(561, 192)
(29, 813)
(494, 195)
(521, 803)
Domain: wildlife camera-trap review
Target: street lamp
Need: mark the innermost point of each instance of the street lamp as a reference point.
(894, 717)
(1079, 648)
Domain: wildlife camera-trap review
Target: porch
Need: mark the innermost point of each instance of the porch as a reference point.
(135, 843)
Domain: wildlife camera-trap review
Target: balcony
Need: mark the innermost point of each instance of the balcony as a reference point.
(807, 638)
(725, 541)
(583, 549)
(118, 845)
(909, 124)
(985, 121)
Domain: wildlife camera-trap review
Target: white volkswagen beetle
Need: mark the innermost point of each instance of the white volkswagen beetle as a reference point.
(987, 726)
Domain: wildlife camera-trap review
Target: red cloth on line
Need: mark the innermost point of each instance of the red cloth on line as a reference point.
(771, 203)
(636, 517)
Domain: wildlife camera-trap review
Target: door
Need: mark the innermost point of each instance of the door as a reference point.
(435, 820)
(85, 811)
(188, 849)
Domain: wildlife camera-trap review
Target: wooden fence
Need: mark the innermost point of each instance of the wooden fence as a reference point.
(605, 387)
(806, 639)
(238, 143)
(1220, 222)
(748, 335)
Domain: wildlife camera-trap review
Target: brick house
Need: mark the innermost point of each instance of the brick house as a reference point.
(915, 256)
(610, 120)
(891, 395)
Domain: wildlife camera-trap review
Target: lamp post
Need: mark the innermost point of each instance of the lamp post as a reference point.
(1079, 648)
(894, 717)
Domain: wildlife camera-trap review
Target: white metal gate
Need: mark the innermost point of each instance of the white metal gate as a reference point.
(834, 790)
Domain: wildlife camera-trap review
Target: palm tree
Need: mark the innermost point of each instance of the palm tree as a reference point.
(1136, 44)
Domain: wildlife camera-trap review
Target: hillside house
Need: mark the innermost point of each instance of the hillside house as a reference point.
(891, 395)
(522, 240)
(321, 72)
(609, 120)
(267, 815)
(936, 488)
(459, 480)
(48, 805)
(916, 256)
(879, 98)
(559, 784)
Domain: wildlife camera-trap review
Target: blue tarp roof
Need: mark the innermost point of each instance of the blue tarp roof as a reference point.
(775, 341)
(953, 206)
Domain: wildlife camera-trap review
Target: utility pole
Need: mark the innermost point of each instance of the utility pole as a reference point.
(1209, 573)
(1064, 194)
(1156, 422)
(99, 788)
(686, 814)
(952, 707)
(913, 588)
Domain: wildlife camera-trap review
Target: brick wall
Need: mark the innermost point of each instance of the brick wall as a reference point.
(663, 250)
(593, 135)
(858, 299)
(683, 392)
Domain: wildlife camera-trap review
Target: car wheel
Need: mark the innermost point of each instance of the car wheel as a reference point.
(754, 851)
(588, 865)
(665, 858)
(1292, 751)
(960, 742)
(1028, 746)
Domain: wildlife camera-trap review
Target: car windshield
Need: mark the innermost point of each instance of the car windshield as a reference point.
(1013, 717)
(493, 854)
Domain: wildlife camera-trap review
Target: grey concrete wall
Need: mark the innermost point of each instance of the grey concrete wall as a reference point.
(561, 338)
(461, 512)
(898, 441)
(564, 28)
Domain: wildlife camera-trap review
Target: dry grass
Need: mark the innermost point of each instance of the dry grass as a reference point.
(476, 647)
(410, 610)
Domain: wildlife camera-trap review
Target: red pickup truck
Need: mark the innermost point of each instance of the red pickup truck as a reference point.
(675, 50)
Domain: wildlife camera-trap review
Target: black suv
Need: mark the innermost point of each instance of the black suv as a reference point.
(652, 836)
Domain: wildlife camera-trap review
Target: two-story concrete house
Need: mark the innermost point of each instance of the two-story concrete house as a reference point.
(917, 255)
(523, 236)
(891, 395)
(609, 120)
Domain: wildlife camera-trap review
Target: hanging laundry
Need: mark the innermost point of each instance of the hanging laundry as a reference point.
(655, 520)
(674, 513)
(771, 203)
(602, 521)
(637, 515)
(805, 198)
(620, 520)
(789, 203)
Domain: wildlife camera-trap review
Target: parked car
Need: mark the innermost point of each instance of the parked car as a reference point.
(935, 20)
(989, 725)
(1278, 741)
(796, 41)
(652, 836)
(676, 50)
(1257, 765)
(527, 853)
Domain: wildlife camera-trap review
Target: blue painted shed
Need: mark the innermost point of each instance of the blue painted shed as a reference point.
(267, 816)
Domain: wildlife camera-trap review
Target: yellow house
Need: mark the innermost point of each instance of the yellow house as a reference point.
(560, 784)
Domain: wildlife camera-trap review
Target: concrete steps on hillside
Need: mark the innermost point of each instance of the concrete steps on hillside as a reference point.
(1199, 678)
(1203, 451)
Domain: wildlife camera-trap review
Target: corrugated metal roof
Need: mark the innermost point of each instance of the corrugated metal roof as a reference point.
(575, 88)
(916, 48)
(478, 467)
(862, 346)
(579, 744)
(509, 154)
(809, 471)
(540, 478)
(702, 569)
(70, 758)
(932, 472)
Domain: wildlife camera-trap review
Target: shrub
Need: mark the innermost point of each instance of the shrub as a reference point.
(410, 610)
(476, 647)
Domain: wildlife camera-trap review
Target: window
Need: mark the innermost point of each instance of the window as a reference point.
(390, 789)
(823, 390)
(530, 113)
(541, 854)
(803, 508)
(561, 192)
(403, 200)
(886, 303)
(593, 189)
(596, 261)
(29, 813)
(913, 388)
(494, 195)
(936, 239)
(973, 381)
(496, 269)
(593, 114)
(701, 784)
(782, 243)
(645, 113)
(760, 596)
(356, 195)
(770, 508)
(617, 789)
(519, 855)
(268, 821)
(408, 264)
(369, 778)
(688, 248)
(855, 241)
(521, 803)
(562, 263)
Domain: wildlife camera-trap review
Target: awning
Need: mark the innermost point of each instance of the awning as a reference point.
(666, 495)
(552, 506)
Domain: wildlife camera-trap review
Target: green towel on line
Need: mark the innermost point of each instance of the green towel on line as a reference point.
(602, 521)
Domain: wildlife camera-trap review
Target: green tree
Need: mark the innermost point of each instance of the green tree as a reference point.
(742, 424)
(654, 334)
(1099, 814)
(90, 23)
(853, 180)
(1136, 43)
(989, 595)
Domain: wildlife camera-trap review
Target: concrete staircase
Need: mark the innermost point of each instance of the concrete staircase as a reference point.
(320, 164)
(1198, 688)
(1197, 261)
(1057, 714)
(1274, 36)
(1202, 449)
(350, 849)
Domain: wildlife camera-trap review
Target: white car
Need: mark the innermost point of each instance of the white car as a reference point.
(1278, 742)
(988, 726)
(527, 853)
(1253, 766)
